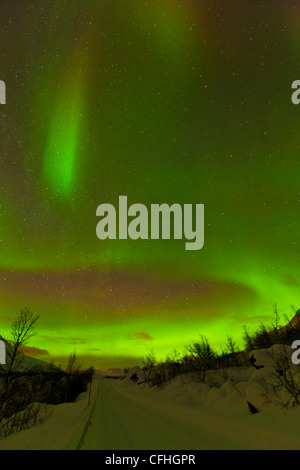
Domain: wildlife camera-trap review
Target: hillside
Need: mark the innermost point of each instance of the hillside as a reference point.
(26, 361)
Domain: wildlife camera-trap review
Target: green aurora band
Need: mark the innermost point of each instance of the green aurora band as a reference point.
(165, 102)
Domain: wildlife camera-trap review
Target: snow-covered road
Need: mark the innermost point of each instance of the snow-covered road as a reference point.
(136, 418)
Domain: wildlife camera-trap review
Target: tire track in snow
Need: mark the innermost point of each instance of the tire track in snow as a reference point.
(130, 418)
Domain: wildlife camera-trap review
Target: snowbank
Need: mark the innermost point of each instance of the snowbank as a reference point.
(269, 357)
(63, 430)
(111, 373)
(183, 410)
(135, 375)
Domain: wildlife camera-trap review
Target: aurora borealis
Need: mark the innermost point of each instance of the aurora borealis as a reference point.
(185, 101)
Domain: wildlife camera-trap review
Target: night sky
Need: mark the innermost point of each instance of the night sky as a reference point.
(164, 101)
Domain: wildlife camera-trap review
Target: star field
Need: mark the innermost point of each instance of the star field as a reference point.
(166, 102)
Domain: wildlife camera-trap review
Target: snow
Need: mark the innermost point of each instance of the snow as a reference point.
(183, 415)
(267, 357)
(113, 373)
(63, 430)
(136, 372)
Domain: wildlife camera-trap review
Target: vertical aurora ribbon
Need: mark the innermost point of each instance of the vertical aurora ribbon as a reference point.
(61, 153)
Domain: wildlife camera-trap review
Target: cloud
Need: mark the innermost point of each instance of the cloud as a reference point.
(290, 280)
(142, 335)
(64, 339)
(33, 351)
(7, 318)
(121, 292)
(77, 340)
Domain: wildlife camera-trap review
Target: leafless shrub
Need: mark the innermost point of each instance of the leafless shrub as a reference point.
(22, 330)
(33, 414)
(21, 388)
(281, 387)
(149, 361)
(202, 358)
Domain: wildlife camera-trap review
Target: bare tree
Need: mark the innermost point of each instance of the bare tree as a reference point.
(174, 356)
(247, 338)
(73, 365)
(282, 379)
(204, 357)
(276, 321)
(22, 330)
(149, 361)
(231, 344)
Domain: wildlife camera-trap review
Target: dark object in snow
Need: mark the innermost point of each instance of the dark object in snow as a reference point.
(252, 408)
(253, 362)
(134, 377)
